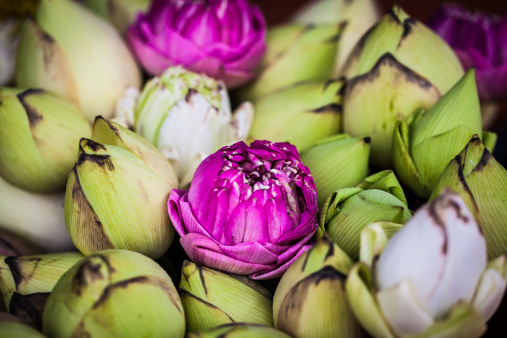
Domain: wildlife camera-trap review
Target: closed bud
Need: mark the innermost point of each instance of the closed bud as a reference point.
(301, 114)
(39, 136)
(425, 143)
(212, 298)
(337, 162)
(12, 245)
(12, 326)
(347, 211)
(131, 291)
(296, 53)
(26, 282)
(482, 183)
(310, 298)
(239, 330)
(115, 200)
(50, 56)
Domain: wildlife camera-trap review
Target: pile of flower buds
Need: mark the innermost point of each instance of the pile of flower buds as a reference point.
(352, 189)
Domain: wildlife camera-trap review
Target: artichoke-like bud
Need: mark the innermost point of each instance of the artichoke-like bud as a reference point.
(187, 116)
(347, 211)
(114, 293)
(121, 13)
(301, 114)
(482, 183)
(39, 136)
(426, 142)
(399, 66)
(43, 225)
(431, 279)
(358, 16)
(70, 51)
(310, 298)
(295, 53)
(337, 162)
(13, 327)
(239, 330)
(12, 245)
(212, 298)
(26, 281)
(115, 200)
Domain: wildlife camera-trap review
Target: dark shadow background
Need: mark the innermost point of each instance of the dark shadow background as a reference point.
(277, 11)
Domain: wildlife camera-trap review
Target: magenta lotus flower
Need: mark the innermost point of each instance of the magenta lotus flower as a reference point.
(224, 39)
(249, 211)
(479, 40)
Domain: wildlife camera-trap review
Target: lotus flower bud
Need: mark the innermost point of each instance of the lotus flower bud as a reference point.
(431, 278)
(115, 198)
(26, 282)
(46, 212)
(425, 143)
(337, 162)
(249, 211)
(121, 13)
(358, 16)
(399, 66)
(296, 53)
(188, 116)
(300, 114)
(239, 330)
(310, 298)
(482, 183)
(347, 211)
(212, 298)
(52, 57)
(39, 134)
(12, 326)
(133, 292)
(9, 31)
(12, 245)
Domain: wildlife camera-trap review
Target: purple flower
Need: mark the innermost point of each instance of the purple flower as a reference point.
(249, 211)
(479, 40)
(224, 39)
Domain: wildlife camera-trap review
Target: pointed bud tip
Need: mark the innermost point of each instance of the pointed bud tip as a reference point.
(367, 140)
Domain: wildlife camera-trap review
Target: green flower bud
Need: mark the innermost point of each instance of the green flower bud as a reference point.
(115, 200)
(337, 162)
(310, 298)
(347, 211)
(70, 51)
(114, 293)
(39, 136)
(358, 15)
(46, 210)
(301, 114)
(399, 66)
(482, 183)
(121, 13)
(212, 298)
(295, 53)
(26, 281)
(424, 144)
(239, 330)
(12, 326)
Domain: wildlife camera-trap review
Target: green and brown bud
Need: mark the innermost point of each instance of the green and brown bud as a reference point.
(337, 162)
(212, 298)
(310, 300)
(301, 114)
(14, 327)
(347, 211)
(114, 293)
(482, 183)
(115, 200)
(428, 140)
(26, 281)
(39, 136)
(12, 245)
(239, 330)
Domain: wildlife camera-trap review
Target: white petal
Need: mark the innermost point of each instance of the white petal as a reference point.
(125, 106)
(242, 121)
(489, 293)
(402, 309)
(226, 106)
(466, 255)
(416, 252)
